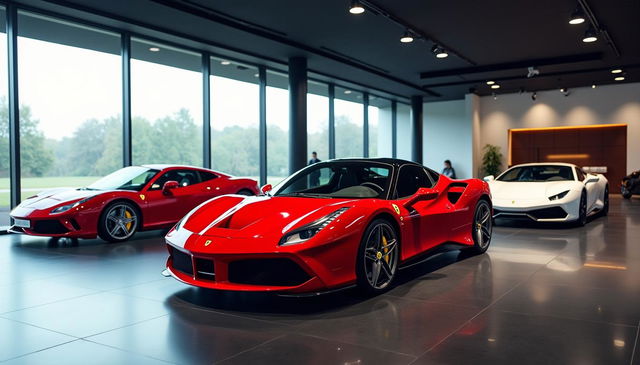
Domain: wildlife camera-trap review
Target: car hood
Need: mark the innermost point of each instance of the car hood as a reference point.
(52, 197)
(258, 216)
(528, 190)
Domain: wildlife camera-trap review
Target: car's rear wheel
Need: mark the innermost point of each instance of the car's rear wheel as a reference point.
(482, 228)
(605, 207)
(582, 210)
(118, 222)
(378, 257)
(245, 192)
(626, 193)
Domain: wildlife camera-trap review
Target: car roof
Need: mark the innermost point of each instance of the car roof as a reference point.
(167, 166)
(386, 160)
(545, 164)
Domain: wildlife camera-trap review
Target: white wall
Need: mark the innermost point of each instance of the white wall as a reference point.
(404, 131)
(607, 104)
(447, 134)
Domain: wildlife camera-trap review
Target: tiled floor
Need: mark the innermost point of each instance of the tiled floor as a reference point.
(541, 295)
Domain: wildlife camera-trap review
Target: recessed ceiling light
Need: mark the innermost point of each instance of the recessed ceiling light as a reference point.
(619, 78)
(490, 82)
(577, 17)
(347, 91)
(593, 86)
(495, 86)
(590, 36)
(616, 71)
(356, 7)
(439, 51)
(406, 37)
(154, 49)
(225, 62)
(563, 90)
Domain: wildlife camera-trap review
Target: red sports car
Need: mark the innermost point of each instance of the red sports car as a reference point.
(330, 225)
(131, 199)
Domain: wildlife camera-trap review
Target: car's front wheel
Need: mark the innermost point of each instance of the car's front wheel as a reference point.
(482, 227)
(378, 257)
(582, 210)
(118, 222)
(605, 208)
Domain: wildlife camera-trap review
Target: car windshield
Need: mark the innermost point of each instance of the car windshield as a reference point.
(537, 173)
(351, 180)
(128, 178)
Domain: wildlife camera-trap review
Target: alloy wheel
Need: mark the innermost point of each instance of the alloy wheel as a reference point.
(121, 221)
(381, 256)
(483, 225)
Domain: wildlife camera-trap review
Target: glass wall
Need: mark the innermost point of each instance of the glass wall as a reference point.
(349, 123)
(235, 118)
(277, 127)
(380, 134)
(5, 186)
(404, 140)
(318, 120)
(70, 103)
(166, 104)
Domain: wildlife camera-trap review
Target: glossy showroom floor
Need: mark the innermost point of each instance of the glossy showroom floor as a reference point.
(548, 295)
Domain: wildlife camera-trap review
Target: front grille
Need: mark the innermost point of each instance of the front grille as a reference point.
(49, 226)
(267, 272)
(181, 261)
(204, 269)
(548, 213)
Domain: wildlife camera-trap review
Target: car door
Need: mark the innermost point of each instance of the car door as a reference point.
(169, 208)
(430, 219)
(590, 182)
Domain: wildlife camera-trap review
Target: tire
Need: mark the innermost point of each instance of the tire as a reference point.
(482, 227)
(626, 193)
(582, 210)
(605, 208)
(245, 192)
(378, 257)
(118, 222)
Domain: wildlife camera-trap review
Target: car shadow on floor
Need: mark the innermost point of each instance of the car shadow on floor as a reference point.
(273, 304)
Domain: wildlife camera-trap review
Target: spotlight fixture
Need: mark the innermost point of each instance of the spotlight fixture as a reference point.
(407, 37)
(563, 90)
(577, 17)
(593, 86)
(534, 96)
(225, 62)
(490, 82)
(619, 78)
(356, 7)
(495, 86)
(154, 49)
(616, 71)
(439, 51)
(590, 36)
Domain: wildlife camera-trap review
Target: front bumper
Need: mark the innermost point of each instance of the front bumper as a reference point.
(563, 210)
(239, 264)
(42, 223)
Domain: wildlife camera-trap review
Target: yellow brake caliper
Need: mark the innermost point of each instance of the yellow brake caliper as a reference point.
(128, 215)
(385, 249)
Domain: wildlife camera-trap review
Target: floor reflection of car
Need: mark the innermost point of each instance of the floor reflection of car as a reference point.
(128, 200)
(549, 192)
(355, 222)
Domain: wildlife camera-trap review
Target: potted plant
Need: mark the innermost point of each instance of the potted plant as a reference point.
(491, 160)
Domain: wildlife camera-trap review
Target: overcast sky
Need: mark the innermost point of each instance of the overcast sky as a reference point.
(64, 86)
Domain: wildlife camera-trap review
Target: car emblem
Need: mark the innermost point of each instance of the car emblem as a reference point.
(513, 202)
(142, 196)
(395, 207)
(207, 242)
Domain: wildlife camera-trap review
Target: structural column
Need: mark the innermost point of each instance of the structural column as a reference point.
(297, 113)
(126, 100)
(332, 122)
(394, 129)
(206, 110)
(416, 125)
(365, 130)
(14, 110)
(262, 128)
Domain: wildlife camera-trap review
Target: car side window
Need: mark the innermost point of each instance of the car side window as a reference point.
(206, 176)
(580, 174)
(183, 177)
(433, 175)
(410, 179)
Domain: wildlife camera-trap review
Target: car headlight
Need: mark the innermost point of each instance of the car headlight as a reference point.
(305, 232)
(559, 196)
(64, 208)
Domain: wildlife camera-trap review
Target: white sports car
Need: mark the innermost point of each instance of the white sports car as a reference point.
(549, 192)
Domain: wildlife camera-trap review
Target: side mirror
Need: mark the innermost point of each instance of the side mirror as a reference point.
(266, 188)
(168, 186)
(421, 195)
(489, 178)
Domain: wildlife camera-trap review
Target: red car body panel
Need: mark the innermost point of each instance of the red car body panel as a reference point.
(157, 209)
(233, 228)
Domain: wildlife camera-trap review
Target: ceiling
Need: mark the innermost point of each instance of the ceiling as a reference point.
(489, 39)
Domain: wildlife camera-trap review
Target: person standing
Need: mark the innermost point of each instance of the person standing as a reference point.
(448, 170)
(314, 176)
